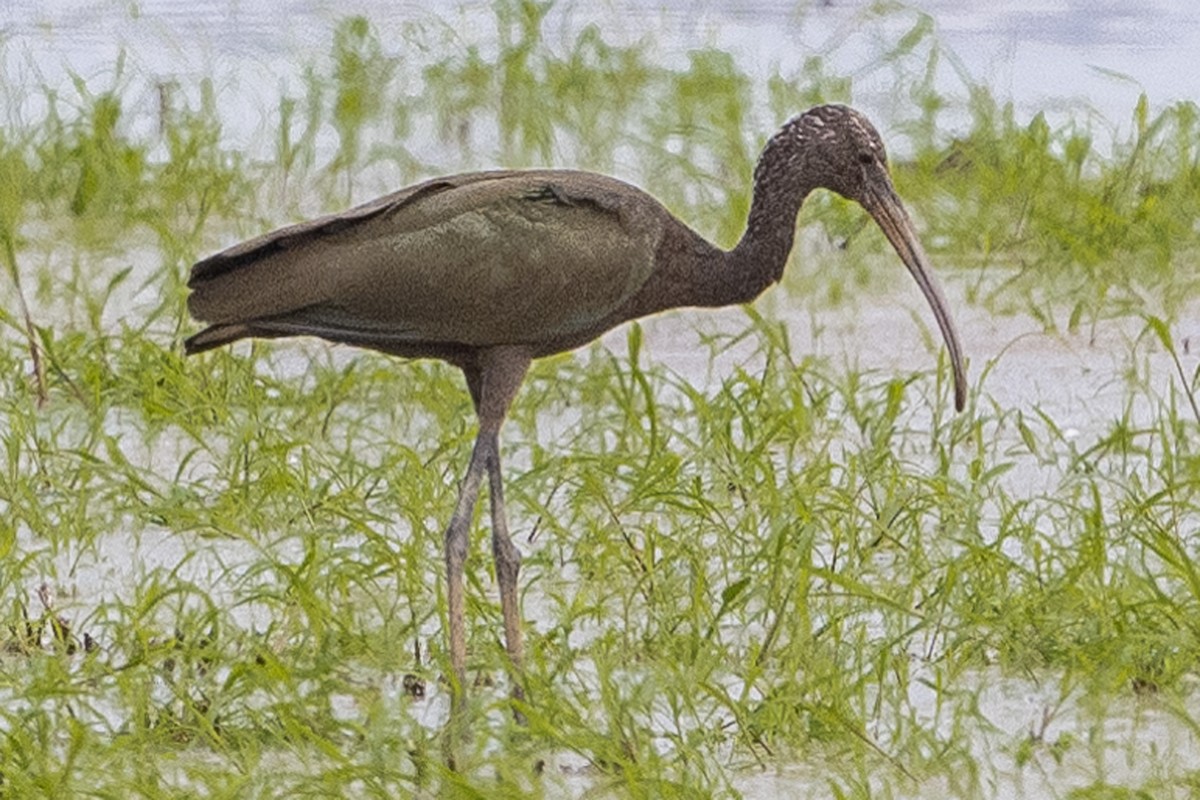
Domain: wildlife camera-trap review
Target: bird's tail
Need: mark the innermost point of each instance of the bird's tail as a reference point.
(215, 336)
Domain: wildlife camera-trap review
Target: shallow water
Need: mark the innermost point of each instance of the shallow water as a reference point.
(1070, 377)
(1054, 57)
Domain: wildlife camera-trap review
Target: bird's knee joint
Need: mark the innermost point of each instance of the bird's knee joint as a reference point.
(508, 558)
(456, 549)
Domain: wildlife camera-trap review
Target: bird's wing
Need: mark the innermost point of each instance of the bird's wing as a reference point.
(477, 259)
(292, 236)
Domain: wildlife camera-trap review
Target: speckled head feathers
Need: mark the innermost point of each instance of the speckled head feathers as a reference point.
(832, 147)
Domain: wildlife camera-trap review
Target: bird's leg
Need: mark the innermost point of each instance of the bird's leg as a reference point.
(508, 566)
(493, 384)
(456, 543)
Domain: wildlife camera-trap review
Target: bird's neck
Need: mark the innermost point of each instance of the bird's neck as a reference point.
(759, 258)
(695, 273)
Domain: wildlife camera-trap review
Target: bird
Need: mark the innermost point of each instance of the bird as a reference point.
(490, 270)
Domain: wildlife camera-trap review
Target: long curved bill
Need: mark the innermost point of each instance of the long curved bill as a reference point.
(888, 212)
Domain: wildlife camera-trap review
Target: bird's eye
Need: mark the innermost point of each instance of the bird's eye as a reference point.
(866, 158)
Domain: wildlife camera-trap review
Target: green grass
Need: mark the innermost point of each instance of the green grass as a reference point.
(796, 566)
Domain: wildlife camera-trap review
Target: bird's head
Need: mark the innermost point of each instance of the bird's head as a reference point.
(836, 147)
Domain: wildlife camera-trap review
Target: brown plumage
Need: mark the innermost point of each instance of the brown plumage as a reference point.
(489, 270)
